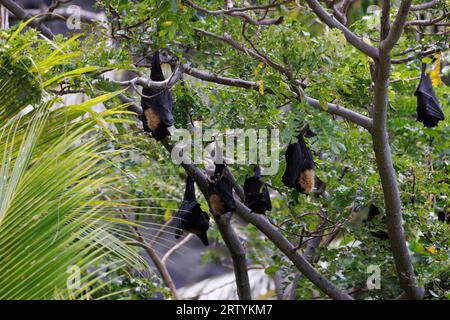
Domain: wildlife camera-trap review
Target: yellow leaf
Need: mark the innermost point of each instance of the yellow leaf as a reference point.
(167, 215)
(432, 249)
(261, 87)
(167, 23)
(324, 104)
(258, 68)
(435, 73)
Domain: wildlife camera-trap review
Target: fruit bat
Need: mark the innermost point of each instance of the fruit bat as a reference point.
(429, 111)
(299, 173)
(220, 192)
(191, 217)
(157, 104)
(256, 193)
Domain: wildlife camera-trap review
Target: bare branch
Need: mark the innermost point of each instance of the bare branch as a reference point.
(397, 27)
(85, 15)
(19, 12)
(233, 82)
(158, 263)
(309, 254)
(147, 83)
(411, 58)
(332, 108)
(428, 22)
(176, 247)
(424, 6)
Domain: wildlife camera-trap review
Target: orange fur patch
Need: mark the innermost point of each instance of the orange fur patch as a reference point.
(306, 180)
(153, 119)
(217, 205)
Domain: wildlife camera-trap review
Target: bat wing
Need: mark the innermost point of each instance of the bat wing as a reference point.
(256, 193)
(182, 217)
(428, 109)
(293, 157)
(161, 102)
(224, 190)
(306, 160)
(266, 198)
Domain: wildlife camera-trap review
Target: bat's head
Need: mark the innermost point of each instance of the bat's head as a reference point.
(219, 170)
(257, 172)
(163, 63)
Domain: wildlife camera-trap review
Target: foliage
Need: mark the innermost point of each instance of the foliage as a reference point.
(60, 234)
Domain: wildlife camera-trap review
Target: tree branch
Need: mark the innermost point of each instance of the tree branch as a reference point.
(239, 13)
(383, 156)
(332, 108)
(240, 47)
(230, 238)
(158, 263)
(397, 27)
(428, 22)
(309, 254)
(176, 247)
(272, 233)
(424, 6)
(329, 20)
(237, 253)
(19, 12)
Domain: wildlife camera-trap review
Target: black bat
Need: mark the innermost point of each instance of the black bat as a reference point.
(256, 193)
(429, 111)
(190, 216)
(299, 173)
(220, 192)
(158, 103)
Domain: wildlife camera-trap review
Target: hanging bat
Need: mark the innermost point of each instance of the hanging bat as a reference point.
(190, 216)
(429, 111)
(158, 103)
(256, 193)
(299, 173)
(220, 192)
